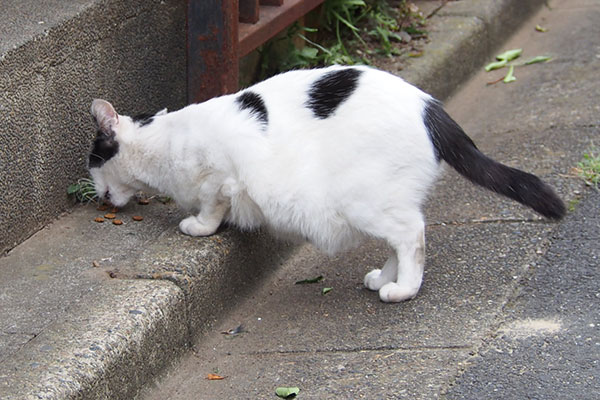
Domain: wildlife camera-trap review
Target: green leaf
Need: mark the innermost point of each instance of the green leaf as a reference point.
(345, 21)
(510, 77)
(307, 29)
(414, 31)
(309, 52)
(287, 392)
(74, 188)
(326, 290)
(355, 3)
(312, 280)
(509, 55)
(538, 59)
(495, 65)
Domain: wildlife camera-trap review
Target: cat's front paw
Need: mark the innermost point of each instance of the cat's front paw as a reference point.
(191, 226)
(393, 292)
(374, 280)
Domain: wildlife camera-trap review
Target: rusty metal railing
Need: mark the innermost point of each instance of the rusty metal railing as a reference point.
(219, 32)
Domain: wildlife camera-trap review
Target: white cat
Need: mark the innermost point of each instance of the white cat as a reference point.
(332, 155)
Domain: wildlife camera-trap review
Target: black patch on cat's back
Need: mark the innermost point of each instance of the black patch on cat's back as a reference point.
(143, 119)
(103, 149)
(252, 102)
(332, 89)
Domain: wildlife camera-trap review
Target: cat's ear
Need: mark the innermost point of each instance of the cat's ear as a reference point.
(106, 116)
(162, 112)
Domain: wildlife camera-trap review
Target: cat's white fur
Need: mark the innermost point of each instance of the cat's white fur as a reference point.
(363, 171)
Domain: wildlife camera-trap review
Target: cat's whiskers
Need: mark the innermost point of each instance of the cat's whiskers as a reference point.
(98, 156)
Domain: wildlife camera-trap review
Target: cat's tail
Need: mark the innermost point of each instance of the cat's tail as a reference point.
(453, 145)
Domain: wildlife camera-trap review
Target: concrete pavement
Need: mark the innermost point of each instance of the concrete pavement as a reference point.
(509, 306)
(74, 330)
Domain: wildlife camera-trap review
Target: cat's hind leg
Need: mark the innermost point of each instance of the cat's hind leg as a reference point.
(408, 241)
(377, 278)
(206, 222)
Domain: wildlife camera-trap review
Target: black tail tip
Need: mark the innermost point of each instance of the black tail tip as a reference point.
(555, 211)
(551, 205)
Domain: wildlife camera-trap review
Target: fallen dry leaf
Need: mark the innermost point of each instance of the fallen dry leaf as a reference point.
(214, 377)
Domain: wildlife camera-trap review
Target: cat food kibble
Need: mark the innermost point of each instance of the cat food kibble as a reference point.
(137, 218)
(117, 222)
(98, 219)
(110, 216)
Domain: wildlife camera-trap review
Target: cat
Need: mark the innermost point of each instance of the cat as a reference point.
(333, 155)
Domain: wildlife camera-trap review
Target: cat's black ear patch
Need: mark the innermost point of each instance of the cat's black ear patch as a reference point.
(143, 119)
(331, 90)
(255, 104)
(103, 149)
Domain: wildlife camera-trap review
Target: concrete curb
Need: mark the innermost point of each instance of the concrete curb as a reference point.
(101, 332)
(127, 331)
(103, 349)
(463, 35)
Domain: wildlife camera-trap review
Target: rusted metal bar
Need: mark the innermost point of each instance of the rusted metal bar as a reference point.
(216, 40)
(212, 53)
(249, 11)
(272, 20)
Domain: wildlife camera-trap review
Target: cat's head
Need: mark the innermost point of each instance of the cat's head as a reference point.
(110, 161)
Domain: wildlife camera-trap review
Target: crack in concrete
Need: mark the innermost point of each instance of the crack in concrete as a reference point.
(362, 349)
(489, 221)
(19, 333)
(499, 320)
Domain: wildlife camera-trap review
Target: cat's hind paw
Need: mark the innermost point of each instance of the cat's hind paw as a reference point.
(374, 280)
(192, 227)
(393, 292)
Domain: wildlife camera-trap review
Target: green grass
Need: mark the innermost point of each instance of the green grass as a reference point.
(349, 32)
(588, 168)
(573, 203)
(83, 190)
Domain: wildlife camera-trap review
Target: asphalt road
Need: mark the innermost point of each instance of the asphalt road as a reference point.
(509, 305)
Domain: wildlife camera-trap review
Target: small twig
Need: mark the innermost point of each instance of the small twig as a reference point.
(496, 81)
(438, 8)
(571, 176)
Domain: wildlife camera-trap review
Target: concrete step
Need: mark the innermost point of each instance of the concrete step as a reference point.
(55, 57)
(95, 310)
